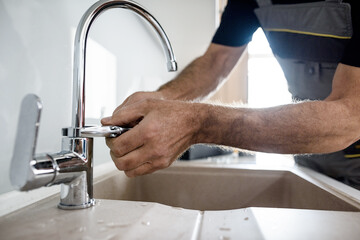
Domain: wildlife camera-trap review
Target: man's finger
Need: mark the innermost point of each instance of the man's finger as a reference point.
(125, 143)
(126, 163)
(146, 168)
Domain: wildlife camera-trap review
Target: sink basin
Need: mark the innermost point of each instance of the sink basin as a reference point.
(252, 203)
(203, 187)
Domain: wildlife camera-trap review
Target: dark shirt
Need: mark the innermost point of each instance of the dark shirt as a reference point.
(239, 22)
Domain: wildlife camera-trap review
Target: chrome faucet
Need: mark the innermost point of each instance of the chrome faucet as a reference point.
(72, 167)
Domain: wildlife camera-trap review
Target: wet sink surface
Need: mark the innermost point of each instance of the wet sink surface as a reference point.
(209, 188)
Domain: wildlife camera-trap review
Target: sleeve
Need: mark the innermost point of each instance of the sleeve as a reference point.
(352, 50)
(238, 23)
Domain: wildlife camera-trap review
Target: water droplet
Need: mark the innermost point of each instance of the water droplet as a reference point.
(110, 224)
(143, 204)
(147, 223)
(82, 229)
(117, 225)
(224, 229)
(100, 221)
(224, 238)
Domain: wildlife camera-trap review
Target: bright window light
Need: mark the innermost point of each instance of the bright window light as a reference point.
(267, 83)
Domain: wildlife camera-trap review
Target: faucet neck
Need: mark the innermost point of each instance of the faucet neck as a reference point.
(78, 111)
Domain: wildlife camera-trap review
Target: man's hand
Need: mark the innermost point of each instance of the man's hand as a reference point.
(140, 96)
(134, 98)
(164, 129)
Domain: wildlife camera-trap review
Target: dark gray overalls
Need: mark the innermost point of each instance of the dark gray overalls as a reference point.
(308, 40)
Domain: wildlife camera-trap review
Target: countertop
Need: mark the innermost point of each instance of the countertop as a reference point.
(111, 219)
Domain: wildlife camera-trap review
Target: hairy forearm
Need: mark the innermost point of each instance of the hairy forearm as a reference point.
(308, 127)
(186, 86)
(204, 75)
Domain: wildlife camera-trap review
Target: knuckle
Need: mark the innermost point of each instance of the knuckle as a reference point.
(150, 102)
(125, 164)
(159, 152)
(117, 152)
(117, 147)
(137, 172)
(117, 165)
(121, 164)
(109, 142)
(161, 163)
(138, 95)
(152, 130)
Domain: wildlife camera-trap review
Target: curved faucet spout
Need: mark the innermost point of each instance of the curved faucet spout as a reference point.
(73, 166)
(78, 111)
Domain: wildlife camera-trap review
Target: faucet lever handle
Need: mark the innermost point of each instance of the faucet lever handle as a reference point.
(25, 143)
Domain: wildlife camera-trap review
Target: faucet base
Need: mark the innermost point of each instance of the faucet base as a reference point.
(78, 193)
(91, 203)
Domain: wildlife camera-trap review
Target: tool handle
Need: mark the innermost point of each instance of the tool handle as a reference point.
(103, 131)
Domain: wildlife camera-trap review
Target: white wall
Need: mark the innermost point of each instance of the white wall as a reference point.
(124, 55)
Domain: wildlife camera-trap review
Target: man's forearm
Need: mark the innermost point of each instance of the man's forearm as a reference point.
(195, 82)
(308, 127)
(204, 75)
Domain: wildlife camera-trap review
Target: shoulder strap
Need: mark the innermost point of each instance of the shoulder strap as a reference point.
(264, 3)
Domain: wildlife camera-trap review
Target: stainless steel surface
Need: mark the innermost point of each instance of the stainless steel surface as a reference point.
(72, 167)
(78, 117)
(103, 131)
(28, 171)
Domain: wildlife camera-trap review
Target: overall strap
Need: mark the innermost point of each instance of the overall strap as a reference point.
(264, 3)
